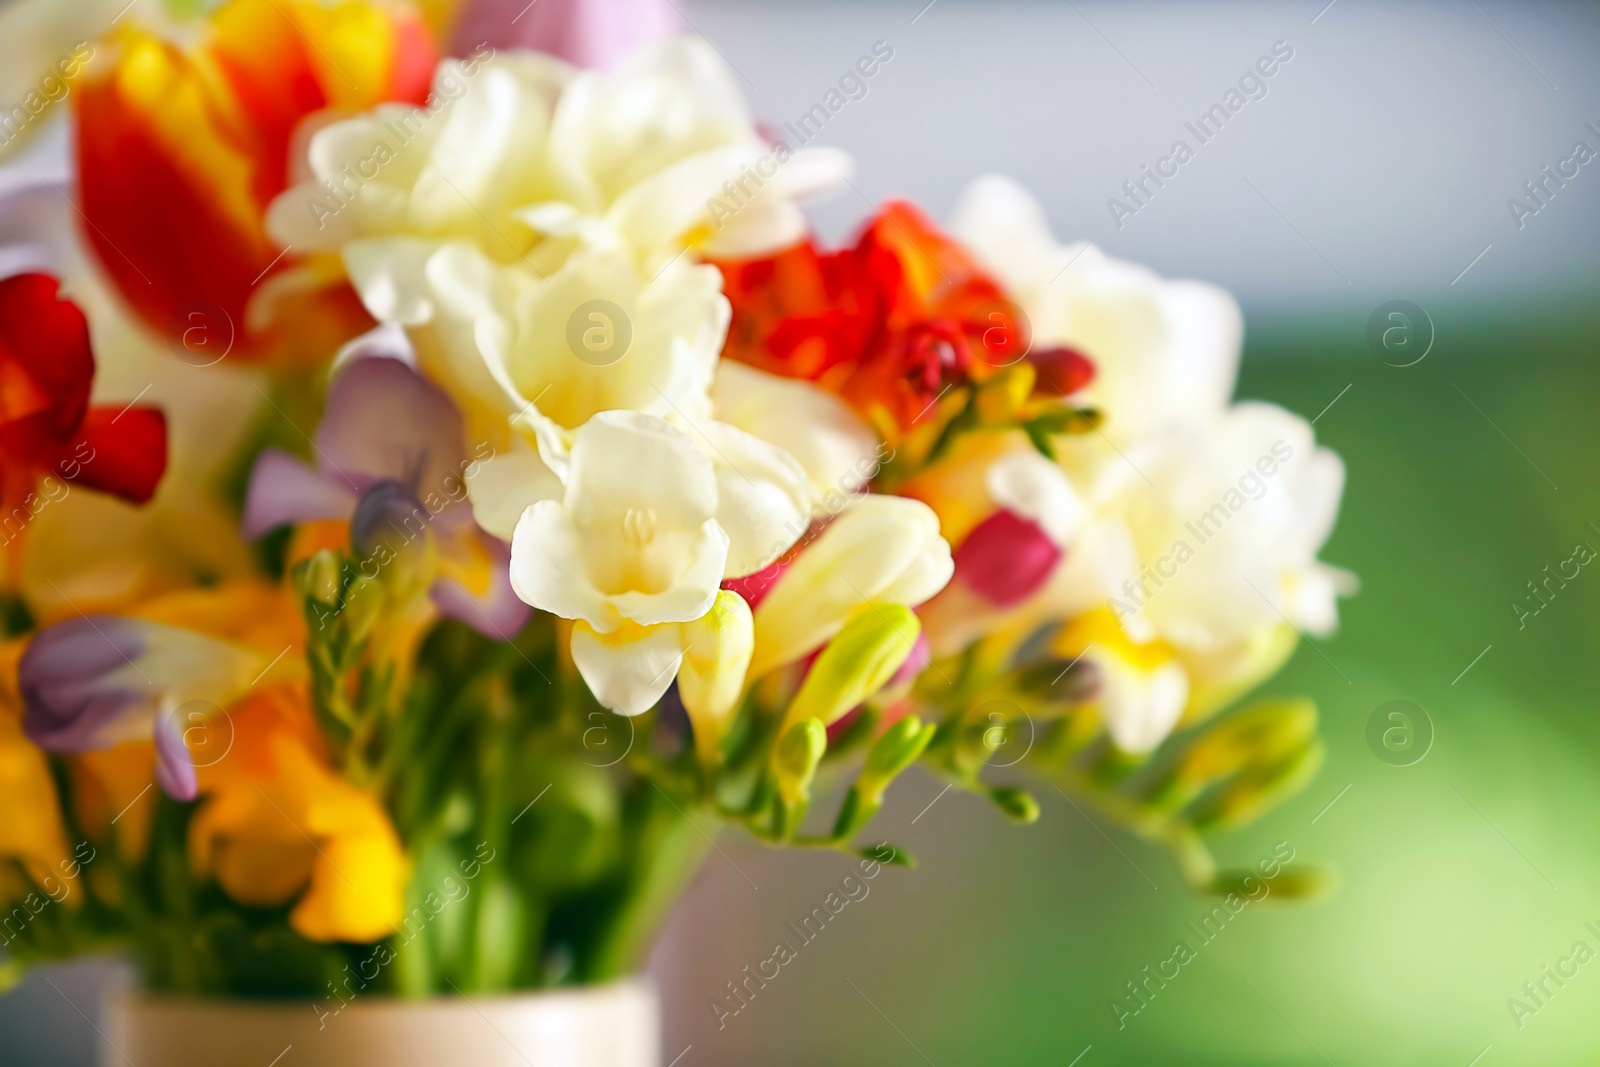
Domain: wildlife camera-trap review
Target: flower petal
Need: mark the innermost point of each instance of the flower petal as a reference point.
(881, 549)
(836, 449)
(664, 472)
(764, 499)
(474, 586)
(385, 421)
(174, 768)
(127, 450)
(504, 485)
(285, 490)
(628, 669)
(547, 568)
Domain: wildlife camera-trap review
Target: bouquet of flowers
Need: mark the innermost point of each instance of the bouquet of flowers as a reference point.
(431, 465)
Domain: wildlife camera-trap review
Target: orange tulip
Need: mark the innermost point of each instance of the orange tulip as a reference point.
(180, 150)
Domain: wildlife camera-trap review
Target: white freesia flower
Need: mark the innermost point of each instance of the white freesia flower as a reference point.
(880, 550)
(459, 167)
(1227, 529)
(1208, 567)
(629, 541)
(1161, 349)
(1200, 522)
(528, 227)
(530, 160)
(645, 528)
(597, 336)
(641, 153)
(549, 353)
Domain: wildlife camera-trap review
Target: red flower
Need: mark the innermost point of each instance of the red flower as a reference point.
(889, 324)
(46, 424)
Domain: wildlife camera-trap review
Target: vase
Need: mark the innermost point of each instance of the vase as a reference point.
(612, 1025)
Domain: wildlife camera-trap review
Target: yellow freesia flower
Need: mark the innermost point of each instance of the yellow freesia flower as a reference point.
(276, 820)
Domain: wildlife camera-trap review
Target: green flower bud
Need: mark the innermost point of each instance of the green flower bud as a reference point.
(364, 603)
(794, 761)
(1257, 792)
(856, 663)
(1018, 805)
(1259, 734)
(896, 750)
(797, 757)
(1290, 883)
(1258, 737)
(319, 578)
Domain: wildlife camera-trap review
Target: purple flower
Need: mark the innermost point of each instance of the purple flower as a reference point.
(392, 461)
(98, 681)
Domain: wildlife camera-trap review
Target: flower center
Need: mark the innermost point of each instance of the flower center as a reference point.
(639, 526)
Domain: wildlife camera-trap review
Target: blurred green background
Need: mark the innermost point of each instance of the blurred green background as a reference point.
(1458, 878)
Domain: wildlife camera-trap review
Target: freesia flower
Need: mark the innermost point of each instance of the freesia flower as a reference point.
(890, 324)
(392, 461)
(48, 429)
(1227, 528)
(94, 682)
(276, 822)
(880, 550)
(1161, 349)
(530, 233)
(1202, 521)
(1142, 687)
(634, 550)
(531, 160)
(180, 150)
(599, 337)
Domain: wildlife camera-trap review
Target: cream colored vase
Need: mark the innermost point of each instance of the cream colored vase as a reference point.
(616, 1025)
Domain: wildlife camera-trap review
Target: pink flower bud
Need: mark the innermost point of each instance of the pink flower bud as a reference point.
(1006, 558)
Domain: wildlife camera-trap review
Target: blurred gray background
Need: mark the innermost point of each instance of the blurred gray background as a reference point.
(1378, 166)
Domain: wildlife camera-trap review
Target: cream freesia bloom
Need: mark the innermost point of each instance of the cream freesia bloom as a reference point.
(1161, 349)
(529, 228)
(1196, 557)
(636, 545)
(531, 159)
